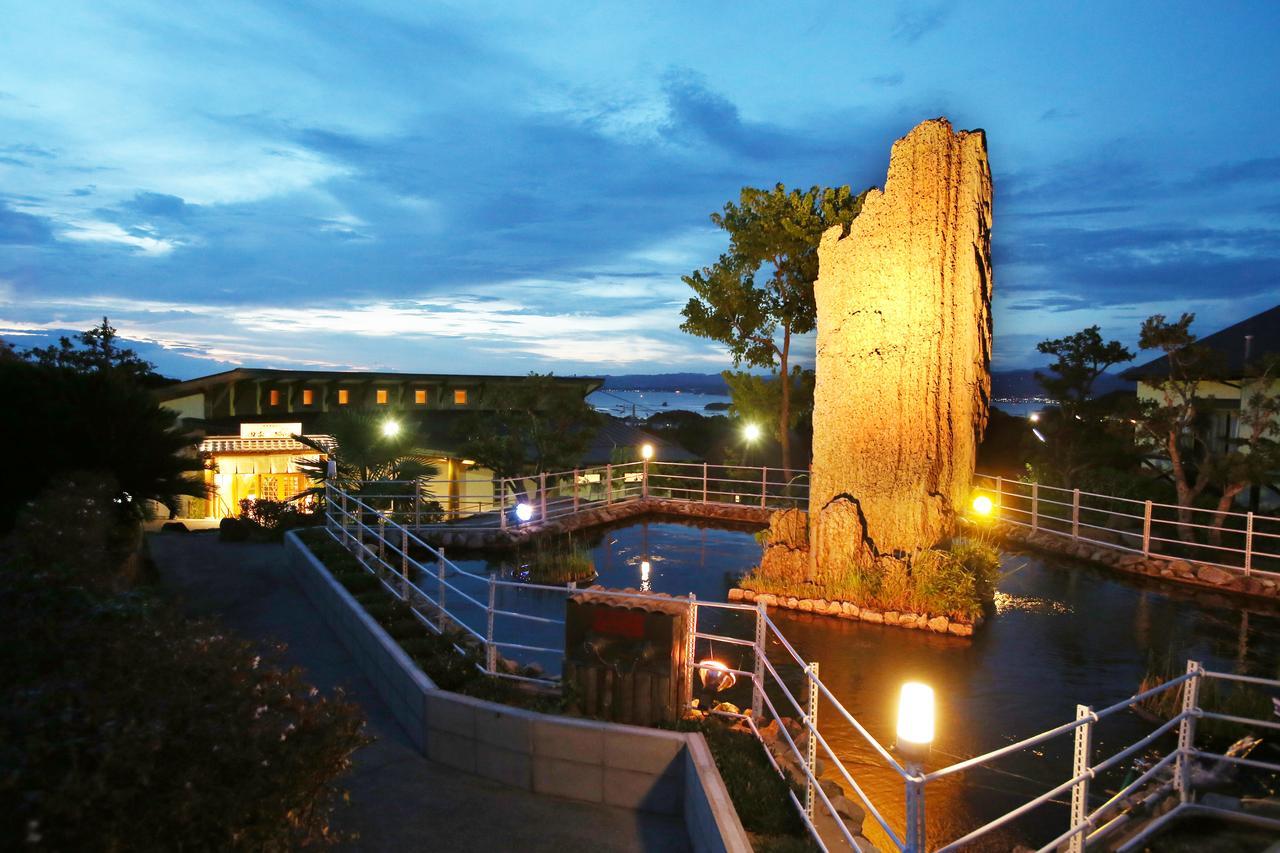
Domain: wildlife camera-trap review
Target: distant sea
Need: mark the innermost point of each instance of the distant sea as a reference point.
(1020, 407)
(646, 403)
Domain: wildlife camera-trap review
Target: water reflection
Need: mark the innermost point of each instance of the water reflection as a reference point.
(1063, 633)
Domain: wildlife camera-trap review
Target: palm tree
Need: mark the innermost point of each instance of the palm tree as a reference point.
(365, 451)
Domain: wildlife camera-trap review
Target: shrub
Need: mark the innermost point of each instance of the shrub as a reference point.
(125, 725)
(233, 530)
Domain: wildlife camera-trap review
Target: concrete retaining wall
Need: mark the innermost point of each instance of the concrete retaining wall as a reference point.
(626, 766)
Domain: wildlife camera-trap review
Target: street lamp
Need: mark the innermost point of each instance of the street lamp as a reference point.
(915, 733)
(751, 432)
(390, 428)
(646, 452)
(524, 512)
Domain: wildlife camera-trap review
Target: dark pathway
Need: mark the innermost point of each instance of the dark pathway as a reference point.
(399, 799)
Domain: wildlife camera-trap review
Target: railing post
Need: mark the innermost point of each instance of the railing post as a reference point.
(417, 504)
(542, 491)
(704, 482)
(686, 696)
(757, 688)
(502, 503)
(916, 836)
(1075, 513)
(999, 494)
(404, 561)
(346, 517)
(608, 483)
(1146, 530)
(1080, 790)
(1035, 506)
(490, 650)
(1187, 731)
(444, 619)
(382, 539)
(644, 479)
(1248, 544)
(764, 484)
(575, 489)
(811, 741)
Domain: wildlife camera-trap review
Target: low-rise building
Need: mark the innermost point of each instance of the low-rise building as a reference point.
(248, 419)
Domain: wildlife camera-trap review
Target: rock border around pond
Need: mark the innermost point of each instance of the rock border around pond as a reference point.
(849, 610)
(1184, 572)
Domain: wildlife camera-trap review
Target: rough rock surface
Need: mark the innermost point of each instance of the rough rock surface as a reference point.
(904, 348)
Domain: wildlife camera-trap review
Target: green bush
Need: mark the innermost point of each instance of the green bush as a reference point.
(125, 725)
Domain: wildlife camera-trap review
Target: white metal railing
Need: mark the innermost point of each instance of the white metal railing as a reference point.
(1239, 541)
(504, 618)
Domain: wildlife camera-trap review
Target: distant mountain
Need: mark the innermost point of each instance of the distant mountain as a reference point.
(1012, 384)
(701, 383)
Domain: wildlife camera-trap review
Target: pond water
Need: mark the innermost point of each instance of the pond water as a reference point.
(1064, 633)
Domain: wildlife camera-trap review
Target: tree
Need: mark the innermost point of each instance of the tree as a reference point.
(1078, 436)
(62, 420)
(1174, 424)
(540, 426)
(779, 231)
(1079, 360)
(758, 399)
(97, 352)
(364, 452)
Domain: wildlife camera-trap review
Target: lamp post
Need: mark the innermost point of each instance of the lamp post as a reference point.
(646, 454)
(915, 734)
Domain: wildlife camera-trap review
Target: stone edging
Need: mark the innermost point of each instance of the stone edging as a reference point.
(848, 610)
(593, 516)
(1179, 571)
(626, 766)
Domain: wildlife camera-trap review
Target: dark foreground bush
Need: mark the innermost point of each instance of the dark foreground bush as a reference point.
(126, 726)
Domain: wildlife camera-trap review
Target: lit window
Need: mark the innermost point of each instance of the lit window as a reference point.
(344, 396)
(420, 397)
(382, 396)
(460, 397)
(308, 396)
(275, 397)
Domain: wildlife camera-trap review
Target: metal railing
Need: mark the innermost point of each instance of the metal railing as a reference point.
(510, 620)
(1240, 541)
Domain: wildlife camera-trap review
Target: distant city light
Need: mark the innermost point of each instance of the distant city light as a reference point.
(524, 511)
(390, 428)
(647, 451)
(982, 505)
(751, 432)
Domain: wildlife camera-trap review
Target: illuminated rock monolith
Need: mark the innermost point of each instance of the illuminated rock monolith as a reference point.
(904, 348)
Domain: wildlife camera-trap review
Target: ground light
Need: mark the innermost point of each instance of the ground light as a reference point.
(390, 428)
(524, 512)
(751, 432)
(915, 720)
(983, 506)
(715, 675)
(646, 452)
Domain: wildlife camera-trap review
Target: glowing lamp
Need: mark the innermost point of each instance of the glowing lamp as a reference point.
(751, 432)
(644, 570)
(524, 512)
(390, 428)
(1034, 417)
(646, 452)
(982, 505)
(915, 720)
(715, 676)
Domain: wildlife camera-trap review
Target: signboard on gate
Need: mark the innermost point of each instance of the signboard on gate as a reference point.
(269, 430)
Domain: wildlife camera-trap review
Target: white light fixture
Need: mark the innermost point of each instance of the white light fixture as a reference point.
(1034, 417)
(646, 451)
(1039, 435)
(751, 432)
(982, 505)
(524, 511)
(915, 720)
(390, 428)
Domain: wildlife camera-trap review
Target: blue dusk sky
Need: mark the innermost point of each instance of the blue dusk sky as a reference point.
(520, 186)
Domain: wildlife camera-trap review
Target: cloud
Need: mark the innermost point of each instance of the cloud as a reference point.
(914, 21)
(90, 231)
(1258, 170)
(887, 80)
(23, 229)
(159, 204)
(1058, 114)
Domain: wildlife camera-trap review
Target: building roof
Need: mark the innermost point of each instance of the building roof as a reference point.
(264, 374)
(1239, 346)
(236, 444)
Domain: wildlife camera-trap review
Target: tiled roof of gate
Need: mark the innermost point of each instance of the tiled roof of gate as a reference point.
(236, 444)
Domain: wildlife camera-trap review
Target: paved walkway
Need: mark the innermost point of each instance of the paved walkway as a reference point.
(399, 799)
